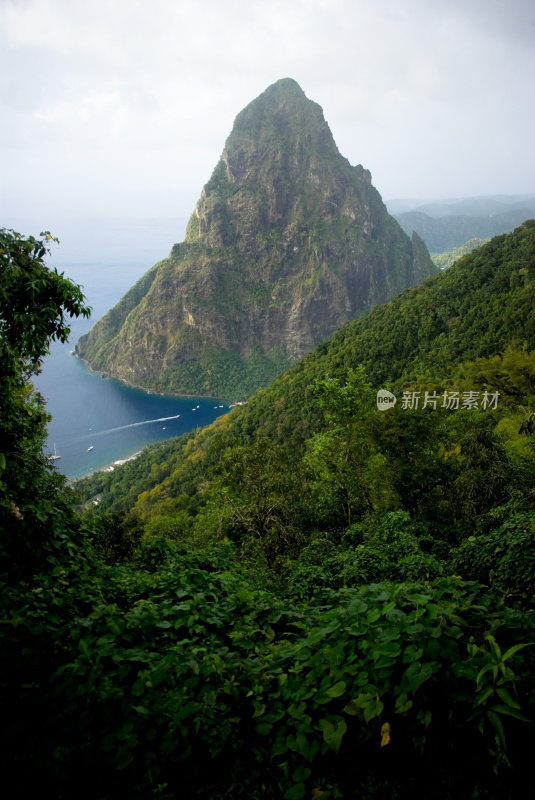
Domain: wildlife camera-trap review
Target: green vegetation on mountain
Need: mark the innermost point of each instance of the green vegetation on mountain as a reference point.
(445, 260)
(35, 303)
(444, 230)
(287, 242)
(310, 598)
(470, 328)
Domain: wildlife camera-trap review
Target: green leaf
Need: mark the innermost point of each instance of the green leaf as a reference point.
(352, 708)
(510, 712)
(485, 669)
(416, 674)
(424, 717)
(295, 792)
(259, 711)
(301, 773)
(264, 728)
(494, 646)
(412, 653)
(333, 734)
(483, 696)
(402, 704)
(515, 649)
(497, 725)
(337, 689)
(373, 710)
(357, 606)
(506, 697)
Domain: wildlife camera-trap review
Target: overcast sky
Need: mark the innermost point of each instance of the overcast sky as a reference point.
(122, 107)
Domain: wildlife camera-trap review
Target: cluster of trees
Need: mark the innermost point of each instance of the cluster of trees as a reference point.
(35, 304)
(445, 260)
(309, 599)
(470, 330)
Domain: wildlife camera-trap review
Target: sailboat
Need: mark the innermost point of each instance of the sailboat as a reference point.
(54, 456)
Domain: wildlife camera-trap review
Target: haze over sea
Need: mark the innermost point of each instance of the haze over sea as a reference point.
(89, 411)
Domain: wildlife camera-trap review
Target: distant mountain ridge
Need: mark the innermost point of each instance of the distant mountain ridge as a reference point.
(478, 206)
(287, 242)
(445, 225)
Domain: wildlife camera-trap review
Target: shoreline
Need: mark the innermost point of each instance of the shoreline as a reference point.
(120, 461)
(110, 467)
(109, 377)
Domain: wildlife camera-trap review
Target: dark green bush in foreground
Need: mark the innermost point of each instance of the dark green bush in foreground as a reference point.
(184, 680)
(368, 632)
(503, 557)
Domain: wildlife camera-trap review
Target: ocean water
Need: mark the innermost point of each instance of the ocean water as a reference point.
(98, 421)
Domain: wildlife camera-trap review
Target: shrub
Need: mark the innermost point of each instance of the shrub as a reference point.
(503, 558)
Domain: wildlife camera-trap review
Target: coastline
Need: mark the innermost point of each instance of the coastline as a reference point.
(110, 468)
(121, 461)
(107, 376)
(118, 419)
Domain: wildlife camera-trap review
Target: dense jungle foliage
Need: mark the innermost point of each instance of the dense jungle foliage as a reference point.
(311, 598)
(445, 260)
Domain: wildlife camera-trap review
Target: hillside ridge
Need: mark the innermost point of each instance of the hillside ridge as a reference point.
(471, 327)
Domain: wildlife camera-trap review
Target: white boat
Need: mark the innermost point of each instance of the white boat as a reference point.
(90, 448)
(54, 456)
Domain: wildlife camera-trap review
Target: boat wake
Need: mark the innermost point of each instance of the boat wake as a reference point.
(135, 425)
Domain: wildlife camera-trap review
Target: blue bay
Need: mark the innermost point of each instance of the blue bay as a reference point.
(97, 421)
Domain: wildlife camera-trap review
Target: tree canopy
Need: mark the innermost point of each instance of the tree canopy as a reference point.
(309, 599)
(36, 303)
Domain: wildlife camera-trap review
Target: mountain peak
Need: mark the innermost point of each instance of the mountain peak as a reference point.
(281, 111)
(281, 149)
(281, 93)
(286, 243)
(286, 85)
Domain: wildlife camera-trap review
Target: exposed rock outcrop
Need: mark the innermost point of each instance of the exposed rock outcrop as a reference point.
(287, 242)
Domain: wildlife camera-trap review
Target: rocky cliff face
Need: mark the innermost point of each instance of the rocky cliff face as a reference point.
(287, 242)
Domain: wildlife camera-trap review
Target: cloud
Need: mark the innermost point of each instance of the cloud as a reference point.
(125, 105)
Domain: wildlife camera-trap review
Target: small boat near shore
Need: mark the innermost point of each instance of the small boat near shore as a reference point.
(54, 456)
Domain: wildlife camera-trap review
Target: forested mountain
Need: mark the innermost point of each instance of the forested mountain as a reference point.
(312, 597)
(447, 226)
(463, 329)
(445, 260)
(287, 242)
